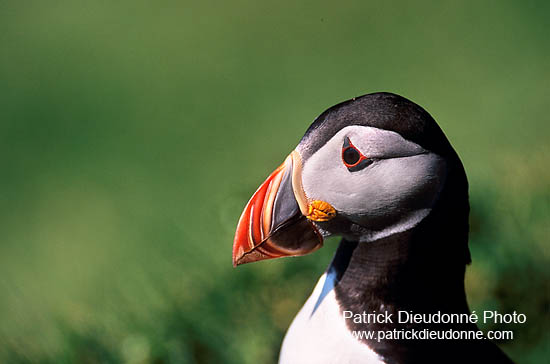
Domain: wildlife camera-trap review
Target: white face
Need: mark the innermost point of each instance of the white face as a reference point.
(392, 194)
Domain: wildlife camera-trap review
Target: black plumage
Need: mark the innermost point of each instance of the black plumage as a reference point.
(420, 270)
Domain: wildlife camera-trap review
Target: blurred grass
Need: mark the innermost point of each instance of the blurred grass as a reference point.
(132, 134)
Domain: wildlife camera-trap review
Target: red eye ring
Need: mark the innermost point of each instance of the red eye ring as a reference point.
(351, 156)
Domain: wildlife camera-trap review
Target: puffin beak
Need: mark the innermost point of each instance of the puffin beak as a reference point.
(277, 221)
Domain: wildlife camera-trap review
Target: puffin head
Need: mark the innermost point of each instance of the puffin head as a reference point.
(367, 168)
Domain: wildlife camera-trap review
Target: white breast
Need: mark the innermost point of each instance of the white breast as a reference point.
(323, 337)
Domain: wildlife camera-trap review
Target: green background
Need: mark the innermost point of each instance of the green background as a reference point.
(133, 133)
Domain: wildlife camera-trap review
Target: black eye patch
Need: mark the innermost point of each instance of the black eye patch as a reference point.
(353, 159)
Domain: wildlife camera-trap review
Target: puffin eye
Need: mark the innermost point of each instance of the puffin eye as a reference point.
(351, 156)
(353, 159)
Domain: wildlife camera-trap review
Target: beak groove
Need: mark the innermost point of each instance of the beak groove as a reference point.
(273, 223)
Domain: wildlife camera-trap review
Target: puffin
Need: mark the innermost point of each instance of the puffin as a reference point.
(379, 172)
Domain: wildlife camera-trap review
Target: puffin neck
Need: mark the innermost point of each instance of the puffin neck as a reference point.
(409, 271)
(420, 270)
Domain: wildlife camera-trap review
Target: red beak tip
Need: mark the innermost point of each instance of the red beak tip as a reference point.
(238, 252)
(236, 262)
